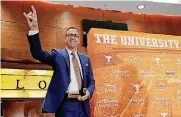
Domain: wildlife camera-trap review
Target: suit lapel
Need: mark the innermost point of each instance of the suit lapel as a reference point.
(81, 57)
(82, 62)
(66, 57)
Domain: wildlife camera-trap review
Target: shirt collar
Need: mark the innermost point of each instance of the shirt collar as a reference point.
(69, 52)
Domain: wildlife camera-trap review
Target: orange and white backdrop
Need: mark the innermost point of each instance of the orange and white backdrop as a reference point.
(136, 74)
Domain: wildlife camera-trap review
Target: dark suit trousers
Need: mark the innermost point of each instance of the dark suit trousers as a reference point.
(71, 108)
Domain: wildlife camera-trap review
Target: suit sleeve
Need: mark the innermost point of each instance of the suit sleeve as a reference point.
(37, 52)
(91, 86)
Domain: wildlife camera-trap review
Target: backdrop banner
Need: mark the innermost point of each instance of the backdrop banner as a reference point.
(137, 74)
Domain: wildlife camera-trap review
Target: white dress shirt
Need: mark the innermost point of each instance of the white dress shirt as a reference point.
(33, 32)
(73, 86)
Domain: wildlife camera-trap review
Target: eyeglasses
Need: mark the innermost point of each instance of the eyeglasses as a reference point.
(72, 35)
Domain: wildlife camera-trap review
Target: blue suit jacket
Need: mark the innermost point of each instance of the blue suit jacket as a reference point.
(59, 60)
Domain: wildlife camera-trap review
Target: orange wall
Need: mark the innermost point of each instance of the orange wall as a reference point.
(53, 20)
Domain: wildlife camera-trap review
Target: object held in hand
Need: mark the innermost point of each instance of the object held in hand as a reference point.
(73, 95)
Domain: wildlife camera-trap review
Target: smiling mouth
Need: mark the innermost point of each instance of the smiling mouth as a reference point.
(72, 41)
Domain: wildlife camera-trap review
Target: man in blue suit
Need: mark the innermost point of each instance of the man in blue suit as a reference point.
(72, 83)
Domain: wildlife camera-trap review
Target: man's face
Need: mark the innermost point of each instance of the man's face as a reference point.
(72, 38)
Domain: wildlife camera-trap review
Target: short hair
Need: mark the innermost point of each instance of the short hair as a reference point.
(72, 28)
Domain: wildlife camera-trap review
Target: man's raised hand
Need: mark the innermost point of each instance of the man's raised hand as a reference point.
(32, 19)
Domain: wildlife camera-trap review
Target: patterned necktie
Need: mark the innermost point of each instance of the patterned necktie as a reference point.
(77, 70)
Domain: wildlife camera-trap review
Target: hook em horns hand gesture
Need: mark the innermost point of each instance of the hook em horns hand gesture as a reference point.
(32, 19)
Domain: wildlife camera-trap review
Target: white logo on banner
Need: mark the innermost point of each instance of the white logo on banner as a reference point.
(161, 86)
(133, 59)
(110, 88)
(157, 60)
(178, 61)
(136, 102)
(161, 100)
(170, 73)
(108, 58)
(146, 73)
(121, 72)
(137, 87)
(164, 114)
(107, 103)
(112, 115)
